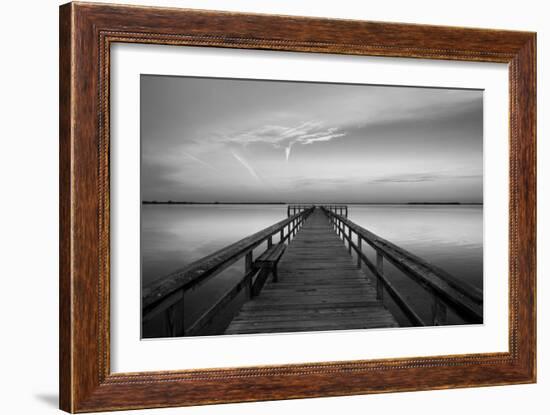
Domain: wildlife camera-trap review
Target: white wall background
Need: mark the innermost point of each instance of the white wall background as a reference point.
(29, 192)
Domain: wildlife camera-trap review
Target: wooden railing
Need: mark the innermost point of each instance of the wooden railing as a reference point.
(446, 291)
(164, 301)
(291, 210)
(341, 210)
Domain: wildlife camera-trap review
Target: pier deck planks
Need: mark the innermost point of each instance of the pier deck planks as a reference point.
(319, 288)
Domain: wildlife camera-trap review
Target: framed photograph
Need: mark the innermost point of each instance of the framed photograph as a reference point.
(258, 207)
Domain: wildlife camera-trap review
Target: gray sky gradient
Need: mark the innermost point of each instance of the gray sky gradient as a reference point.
(227, 140)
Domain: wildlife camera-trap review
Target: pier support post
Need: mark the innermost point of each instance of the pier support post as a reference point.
(248, 264)
(360, 250)
(380, 269)
(173, 320)
(170, 319)
(439, 311)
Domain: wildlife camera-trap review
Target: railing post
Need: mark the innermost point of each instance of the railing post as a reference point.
(288, 232)
(269, 242)
(173, 320)
(380, 270)
(439, 311)
(359, 250)
(349, 240)
(169, 320)
(248, 264)
(282, 237)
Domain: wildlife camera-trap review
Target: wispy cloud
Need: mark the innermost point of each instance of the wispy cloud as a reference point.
(247, 166)
(419, 178)
(285, 137)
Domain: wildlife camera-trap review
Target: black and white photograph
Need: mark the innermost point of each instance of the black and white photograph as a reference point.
(272, 206)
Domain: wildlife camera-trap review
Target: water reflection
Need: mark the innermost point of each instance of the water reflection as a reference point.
(173, 236)
(450, 237)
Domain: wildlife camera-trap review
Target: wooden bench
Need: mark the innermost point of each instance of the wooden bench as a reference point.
(267, 263)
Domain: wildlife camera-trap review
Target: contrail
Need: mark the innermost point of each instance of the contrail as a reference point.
(247, 166)
(204, 163)
(287, 151)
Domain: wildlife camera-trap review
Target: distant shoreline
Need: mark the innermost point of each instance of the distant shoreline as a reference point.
(170, 202)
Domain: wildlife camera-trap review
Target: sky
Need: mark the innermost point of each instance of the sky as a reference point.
(230, 140)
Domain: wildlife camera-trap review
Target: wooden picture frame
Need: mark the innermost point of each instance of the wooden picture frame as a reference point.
(86, 33)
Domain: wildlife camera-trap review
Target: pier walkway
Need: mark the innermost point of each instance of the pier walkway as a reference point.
(319, 287)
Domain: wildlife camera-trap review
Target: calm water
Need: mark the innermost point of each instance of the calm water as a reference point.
(450, 237)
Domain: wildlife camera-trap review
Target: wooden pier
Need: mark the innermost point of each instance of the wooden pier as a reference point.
(308, 280)
(319, 287)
